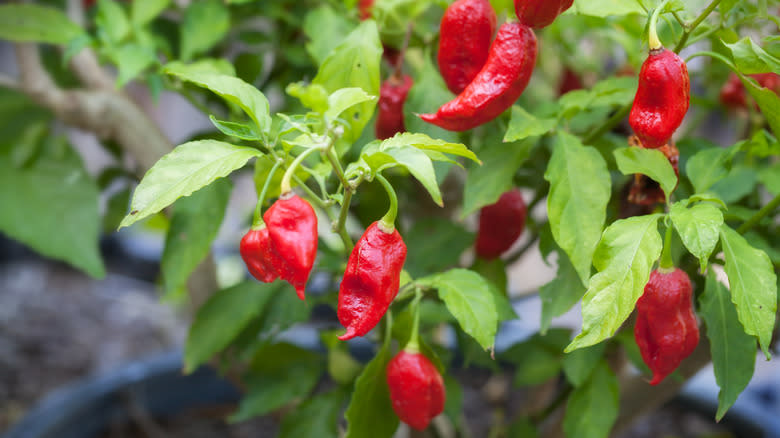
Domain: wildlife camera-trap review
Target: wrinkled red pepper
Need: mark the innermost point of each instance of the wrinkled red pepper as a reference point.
(662, 98)
(259, 255)
(416, 389)
(500, 224)
(666, 329)
(392, 95)
(464, 41)
(733, 94)
(371, 280)
(540, 13)
(497, 86)
(292, 231)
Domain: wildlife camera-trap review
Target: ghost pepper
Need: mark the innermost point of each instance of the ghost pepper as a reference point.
(416, 388)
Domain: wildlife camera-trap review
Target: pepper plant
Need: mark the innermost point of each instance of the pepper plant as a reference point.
(355, 188)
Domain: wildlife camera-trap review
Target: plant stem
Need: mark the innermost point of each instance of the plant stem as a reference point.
(652, 34)
(609, 124)
(258, 219)
(413, 346)
(285, 188)
(339, 226)
(689, 29)
(334, 161)
(388, 220)
(666, 262)
(760, 214)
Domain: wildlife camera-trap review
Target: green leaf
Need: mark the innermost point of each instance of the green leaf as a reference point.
(751, 58)
(345, 98)
(522, 428)
(468, 297)
(431, 235)
(412, 159)
(35, 23)
(580, 187)
(243, 131)
(131, 60)
(524, 124)
(770, 178)
(204, 24)
(733, 351)
(370, 412)
(325, 29)
(181, 172)
(698, 227)
(593, 406)
(607, 8)
(317, 417)
(354, 63)
(194, 225)
(428, 91)
(230, 88)
(579, 364)
(650, 162)
(453, 402)
(422, 141)
(538, 358)
(486, 183)
(624, 258)
(112, 20)
(144, 11)
(707, 167)
(769, 103)
(51, 205)
(738, 183)
(279, 374)
(753, 286)
(222, 318)
(560, 294)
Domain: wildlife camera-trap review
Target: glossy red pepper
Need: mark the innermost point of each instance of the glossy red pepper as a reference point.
(371, 280)
(292, 230)
(500, 224)
(666, 329)
(464, 41)
(392, 95)
(662, 98)
(416, 389)
(540, 13)
(259, 255)
(497, 86)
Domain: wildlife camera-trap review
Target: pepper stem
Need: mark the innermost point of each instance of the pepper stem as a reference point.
(285, 187)
(413, 346)
(257, 222)
(666, 263)
(388, 220)
(652, 37)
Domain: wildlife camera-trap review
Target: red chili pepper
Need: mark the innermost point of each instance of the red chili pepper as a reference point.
(570, 81)
(662, 98)
(666, 329)
(364, 9)
(464, 41)
(416, 389)
(497, 86)
(540, 13)
(259, 255)
(292, 230)
(733, 93)
(392, 95)
(371, 280)
(500, 224)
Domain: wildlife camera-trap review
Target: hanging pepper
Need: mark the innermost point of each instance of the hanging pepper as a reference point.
(570, 81)
(500, 224)
(416, 388)
(464, 41)
(364, 9)
(540, 13)
(663, 95)
(733, 93)
(392, 95)
(292, 231)
(666, 329)
(497, 86)
(259, 255)
(371, 279)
